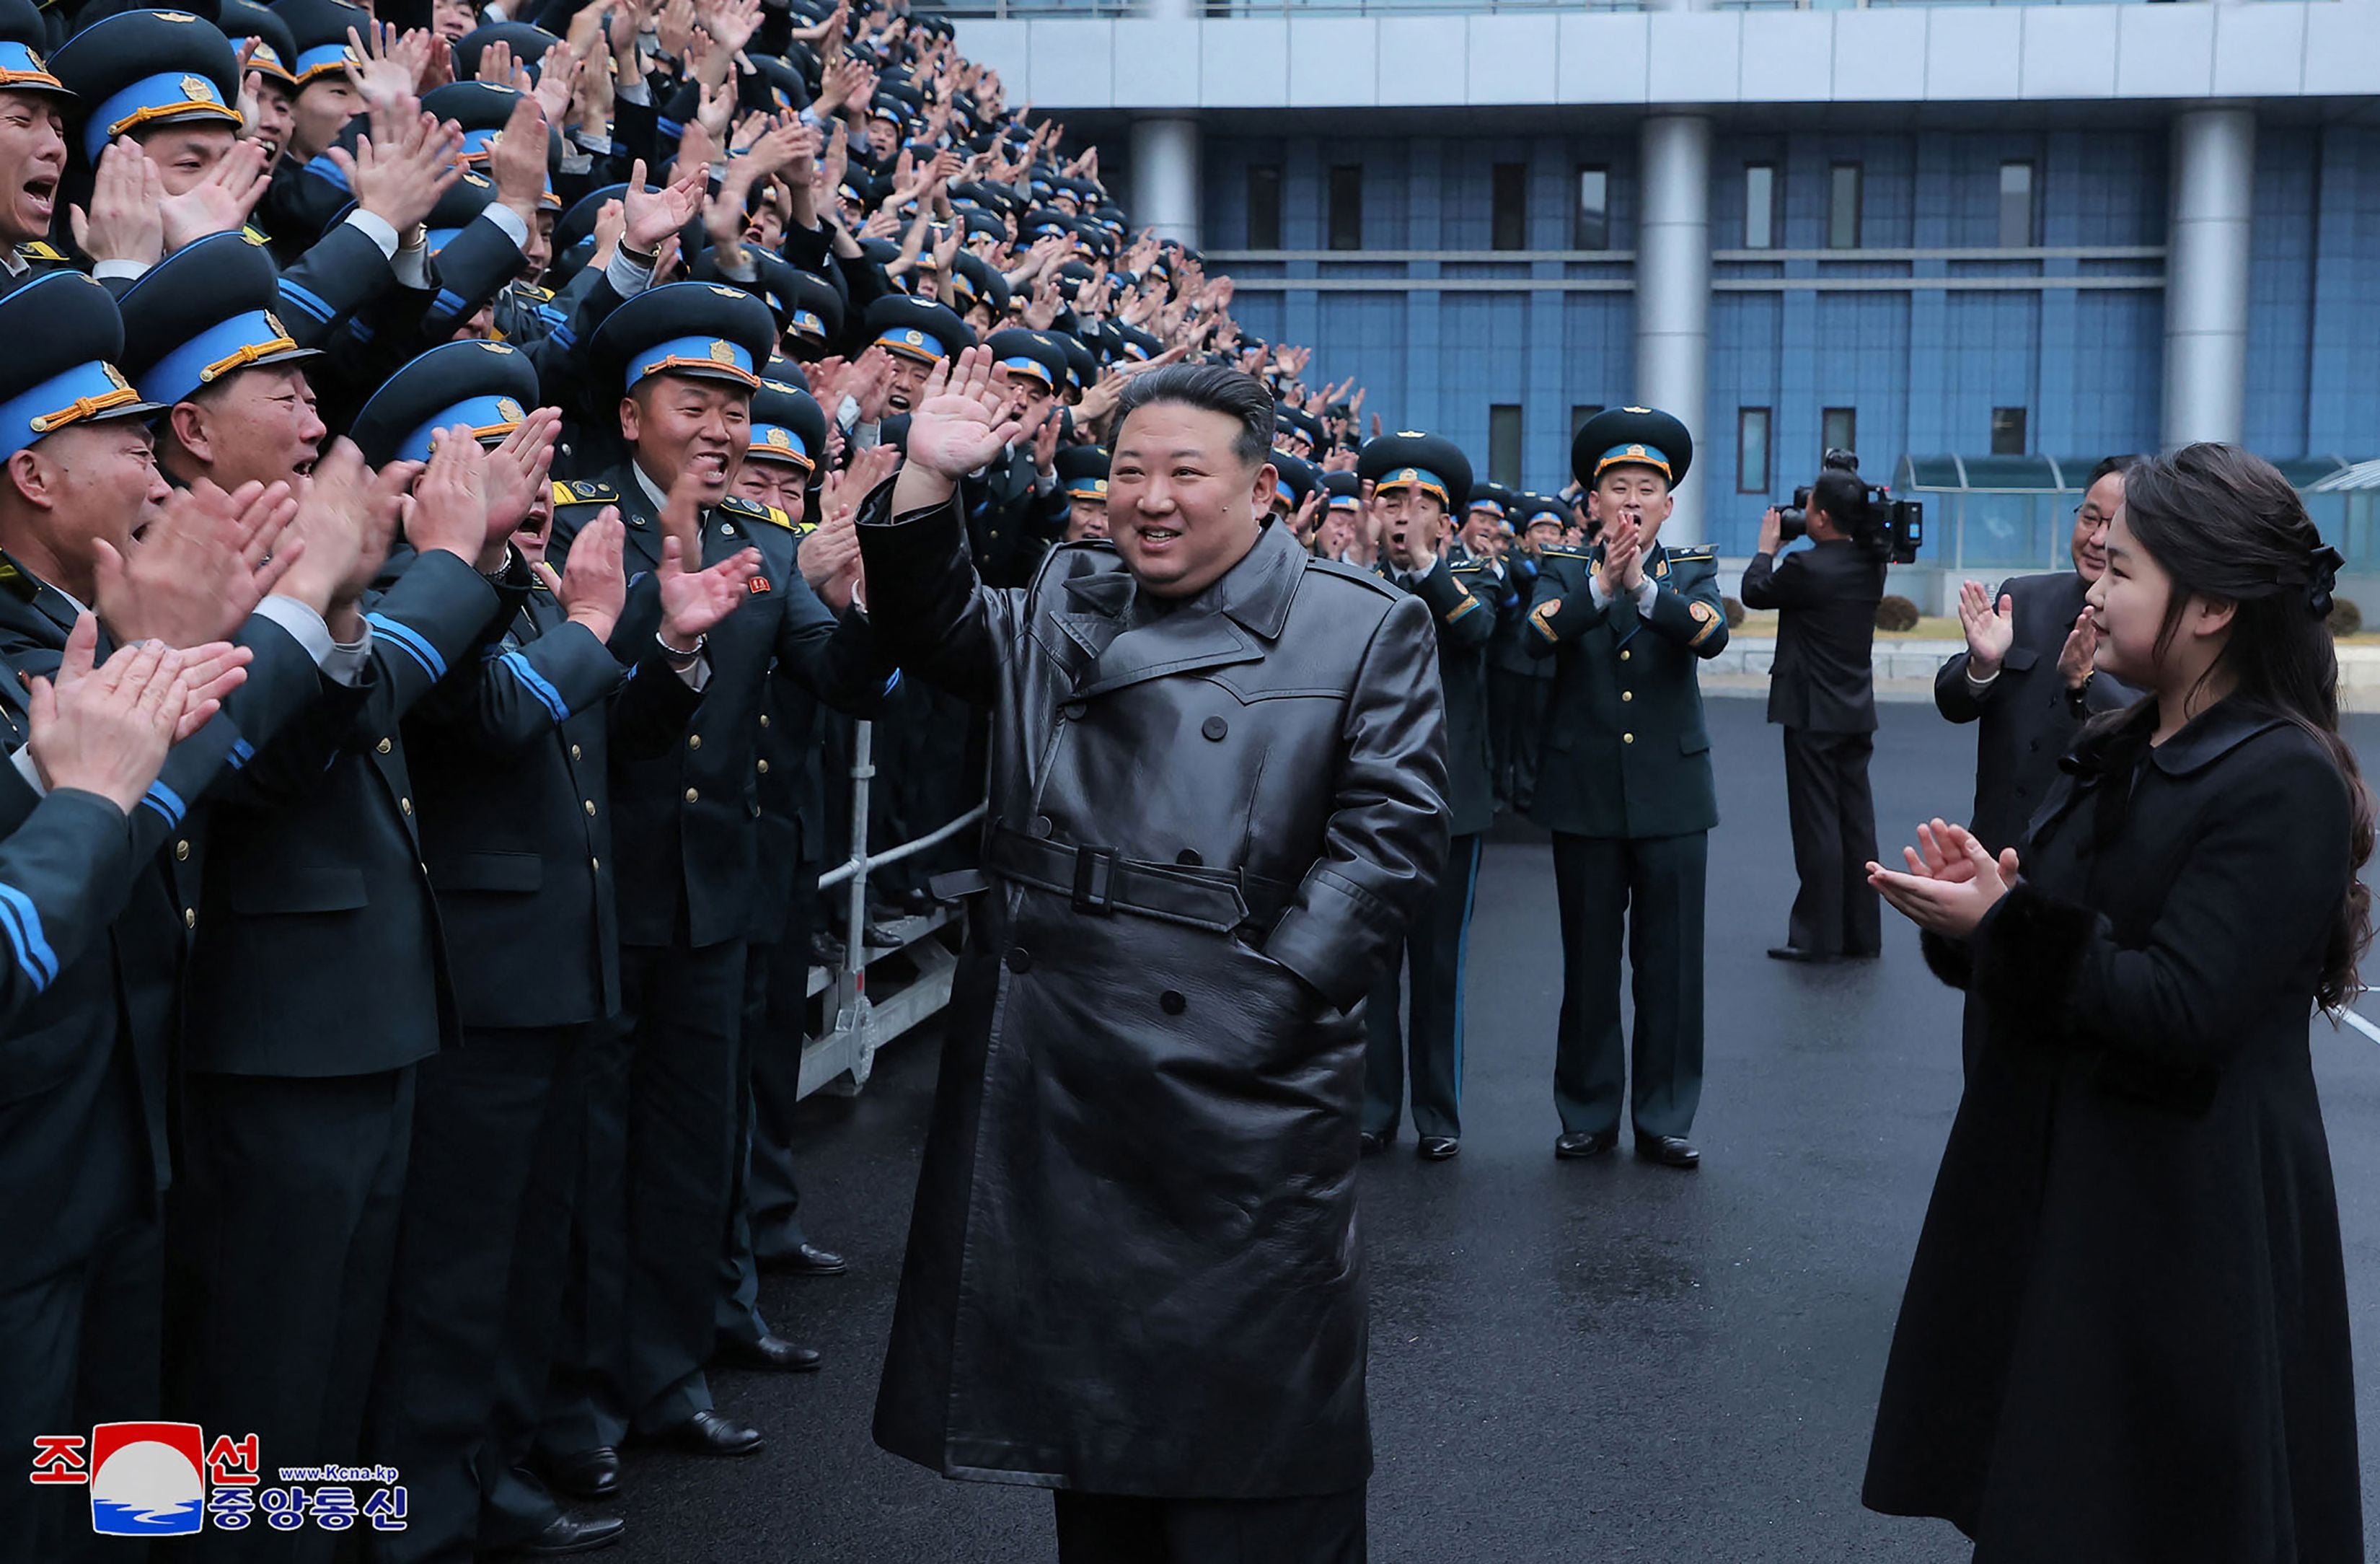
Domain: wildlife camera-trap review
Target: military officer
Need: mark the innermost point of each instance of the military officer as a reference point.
(684, 359)
(1414, 479)
(1082, 479)
(33, 154)
(1519, 682)
(1625, 786)
(917, 335)
(1486, 519)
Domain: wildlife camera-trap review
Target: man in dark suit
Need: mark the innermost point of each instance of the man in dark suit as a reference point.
(1822, 691)
(1625, 786)
(2026, 676)
(1520, 682)
(1413, 477)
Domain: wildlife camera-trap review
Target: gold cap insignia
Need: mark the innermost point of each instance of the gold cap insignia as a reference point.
(1637, 410)
(114, 375)
(35, 57)
(197, 89)
(721, 353)
(274, 321)
(1635, 450)
(1411, 434)
(779, 438)
(726, 292)
(914, 338)
(507, 408)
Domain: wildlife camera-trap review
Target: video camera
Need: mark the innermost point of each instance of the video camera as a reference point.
(1897, 525)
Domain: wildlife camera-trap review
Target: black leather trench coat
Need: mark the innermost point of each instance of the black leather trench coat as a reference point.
(1134, 1266)
(2125, 1337)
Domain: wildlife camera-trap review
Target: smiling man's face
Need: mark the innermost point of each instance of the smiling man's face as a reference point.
(681, 425)
(1182, 504)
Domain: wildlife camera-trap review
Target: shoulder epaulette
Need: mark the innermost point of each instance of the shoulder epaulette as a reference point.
(255, 235)
(1564, 551)
(41, 249)
(584, 493)
(757, 511)
(1358, 574)
(1700, 554)
(15, 583)
(530, 290)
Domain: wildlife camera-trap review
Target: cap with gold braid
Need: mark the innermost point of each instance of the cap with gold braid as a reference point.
(319, 28)
(787, 426)
(23, 36)
(64, 336)
(485, 385)
(917, 328)
(204, 313)
(1429, 463)
(1631, 437)
(703, 330)
(138, 69)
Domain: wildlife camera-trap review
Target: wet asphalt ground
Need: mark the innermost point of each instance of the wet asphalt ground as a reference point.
(1570, 1361)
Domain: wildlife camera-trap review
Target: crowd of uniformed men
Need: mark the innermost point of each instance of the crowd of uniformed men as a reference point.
(431, 451)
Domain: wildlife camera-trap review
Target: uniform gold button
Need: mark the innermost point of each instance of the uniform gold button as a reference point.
(1624, 654)
(591, 809)
(181, 852)
(727, 529)
(764, 719)
(764, 768)
(596, 864)
(1628, 737)
(573, 752)
(1628, 694)
(384, 746)
(691, 795)
(694, 741)
(405, 804)
(189, 917)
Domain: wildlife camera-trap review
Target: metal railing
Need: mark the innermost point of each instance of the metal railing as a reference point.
(856, 1026)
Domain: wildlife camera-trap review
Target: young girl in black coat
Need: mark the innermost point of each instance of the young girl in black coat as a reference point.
(2125, 1337)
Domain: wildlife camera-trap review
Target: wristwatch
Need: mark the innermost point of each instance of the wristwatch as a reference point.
(2078, 695)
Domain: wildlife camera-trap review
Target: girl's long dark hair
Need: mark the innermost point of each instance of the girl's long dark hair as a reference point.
(2226, 525)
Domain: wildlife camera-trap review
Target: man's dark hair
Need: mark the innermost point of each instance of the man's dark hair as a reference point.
(1214, 389)
(2110, 464)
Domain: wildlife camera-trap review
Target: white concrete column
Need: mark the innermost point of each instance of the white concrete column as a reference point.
(1673, 289)
(1165, 182)
(2207, 276)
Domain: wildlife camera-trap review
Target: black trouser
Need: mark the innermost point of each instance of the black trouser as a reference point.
(1833, 818)
(280, 1242)
(479, 1273)
(1516, 726)
(769, 1080)
(78, 1347)
(1652, 887)
(1107, 1529)
(659, 1169)
(1435, 946)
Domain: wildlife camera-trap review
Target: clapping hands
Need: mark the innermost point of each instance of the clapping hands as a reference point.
(1952, 880)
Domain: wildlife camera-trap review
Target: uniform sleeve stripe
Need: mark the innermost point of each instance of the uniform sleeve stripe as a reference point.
(450, 301)
(311, 303)
(165, 801)
(535, 683)
(412, 640)
(23, 923)
(242, 752)
(1461, 609)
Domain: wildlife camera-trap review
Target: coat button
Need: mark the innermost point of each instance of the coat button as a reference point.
(1624, 654)
(1628, 737)
(591, 809)
(181, 852)
(596, 864)
(694, 741)
(727, 529)
(384, 746)
(573, 752)
(1628, 694)
(1189, 858)
(1214, 727)
(1041, 827)
(1071, 710)
(764, 719)
(1020, 960)
(405, 804)
(692, 797)
(763, 767)
(189, 917)
(1172, 1003)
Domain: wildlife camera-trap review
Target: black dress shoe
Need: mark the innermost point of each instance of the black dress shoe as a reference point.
(1437, 1148)
(1586, 1142)
(1374, 1142)
(1669, 1151)
(708, 1433)
(585, 1474)
(1795, 953)
(568, 1533)
(826, 950)
(769, 1352)
(809, 1260)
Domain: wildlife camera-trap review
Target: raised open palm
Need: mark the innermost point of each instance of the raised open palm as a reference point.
(961, 424)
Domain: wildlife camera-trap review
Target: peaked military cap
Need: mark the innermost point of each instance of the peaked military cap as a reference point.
(143, 68)
(1530, 508)
(1081, 365)
(817, 317)
(1346, 491)
(458, 206)
(1083, 471)
(529, 45)
(788, 426)
(707, 331)
(1631, 436)
(1286, 417)
(486, 384)
(1431, 463)
(916, 329)
(319, 28)
(1491, 496)
(202, 314)
(1039, 354)
(1298, 478)
(23, 36)
(63, 339)
(273, 50)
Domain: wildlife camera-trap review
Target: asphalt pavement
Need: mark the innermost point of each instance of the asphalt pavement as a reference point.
(1570, 1360)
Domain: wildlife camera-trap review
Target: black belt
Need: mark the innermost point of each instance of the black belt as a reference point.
(1102, 885)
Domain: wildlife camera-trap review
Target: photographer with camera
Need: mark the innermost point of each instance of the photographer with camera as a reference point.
(1822, 691)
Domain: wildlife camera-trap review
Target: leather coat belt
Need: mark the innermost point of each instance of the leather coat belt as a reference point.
(1101, 885)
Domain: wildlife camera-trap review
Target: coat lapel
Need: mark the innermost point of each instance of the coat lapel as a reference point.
(1230, 624)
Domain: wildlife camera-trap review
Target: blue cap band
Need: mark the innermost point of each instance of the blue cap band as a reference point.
(82, 392)
(1420, 478)
(439, 239)
(476, 142)
(807, 322)
(777, 441)
(1346, 502)
(22, 70)
(1636, 452)
(264, 57)
(491, 417)
(1034, 367)
(701, 356)
(1489, 506)
(1089, 485)
(221, 348)
(322, 58)
(910, 340)
(178, 94)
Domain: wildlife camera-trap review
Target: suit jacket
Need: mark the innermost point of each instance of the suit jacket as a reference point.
(85, 1058)
(509, 758)
(1463, 601)
(688, 831)
(1507, 651)
(1824, 679)
(318, 952)
(1626, 751)
(2026, 722)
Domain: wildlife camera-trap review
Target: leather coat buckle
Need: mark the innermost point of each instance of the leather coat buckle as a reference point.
(1095, 881)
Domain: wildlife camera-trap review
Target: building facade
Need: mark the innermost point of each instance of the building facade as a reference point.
(2048, 231)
